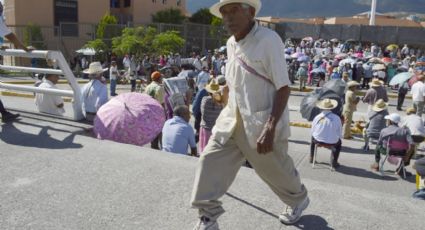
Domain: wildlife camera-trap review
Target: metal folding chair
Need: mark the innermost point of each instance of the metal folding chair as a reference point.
(327, 146)
(398, 149)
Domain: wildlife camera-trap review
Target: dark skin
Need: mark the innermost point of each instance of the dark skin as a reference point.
(239, 22)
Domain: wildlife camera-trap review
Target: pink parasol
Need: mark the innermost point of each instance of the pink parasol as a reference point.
(130, 118)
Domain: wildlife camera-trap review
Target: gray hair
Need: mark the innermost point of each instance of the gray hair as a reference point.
(180, 110)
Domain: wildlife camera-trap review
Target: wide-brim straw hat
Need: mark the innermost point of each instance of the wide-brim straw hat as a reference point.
(352, 83)
(215, 9)
(376, 83)
(379, 106)
(410, 110)
(213, 86)
(95, 68)
(327, 104)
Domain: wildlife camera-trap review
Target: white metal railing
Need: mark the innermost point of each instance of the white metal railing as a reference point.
(64, 70)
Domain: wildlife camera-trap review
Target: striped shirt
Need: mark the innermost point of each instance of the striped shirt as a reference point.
(210, 112)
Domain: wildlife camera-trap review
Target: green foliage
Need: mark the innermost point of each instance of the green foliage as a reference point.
(216, 21)
(100, 47)
(202, 16)
(172, 16)
(168, 42)
(217, 31)
(106, 20)
(34, 37)
(134, 40)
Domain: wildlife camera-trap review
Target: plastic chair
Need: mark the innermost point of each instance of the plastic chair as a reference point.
(397, 148)
(322, 145)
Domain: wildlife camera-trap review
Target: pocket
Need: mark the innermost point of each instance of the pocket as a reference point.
(254, 125)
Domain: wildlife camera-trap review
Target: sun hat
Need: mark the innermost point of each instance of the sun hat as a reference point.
(215, 9)
(379, 105)
(352, 83)
(375, 83)
(156, 75)
(394, 117)
(410, 110)
(213, 86)
(327, 104)
(95, 68)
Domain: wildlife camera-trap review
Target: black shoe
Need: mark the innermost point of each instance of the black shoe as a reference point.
(335, 165)
(9, 117)
(399, 109)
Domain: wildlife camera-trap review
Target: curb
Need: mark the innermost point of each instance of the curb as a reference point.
(308, 90)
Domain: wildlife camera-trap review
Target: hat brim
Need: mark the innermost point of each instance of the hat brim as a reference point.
(334, 105)
(209, 90)
(377, 109)
(215, 9)
(87, 71)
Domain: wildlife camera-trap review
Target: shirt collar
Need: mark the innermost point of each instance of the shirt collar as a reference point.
(248, 36)
(48, 81)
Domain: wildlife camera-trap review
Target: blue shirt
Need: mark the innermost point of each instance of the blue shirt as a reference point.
(177, 135)
(196, 105)
(95, 94)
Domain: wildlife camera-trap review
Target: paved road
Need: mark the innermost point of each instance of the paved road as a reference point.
(54, 176)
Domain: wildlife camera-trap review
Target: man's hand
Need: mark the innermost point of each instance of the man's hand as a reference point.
(266, 139)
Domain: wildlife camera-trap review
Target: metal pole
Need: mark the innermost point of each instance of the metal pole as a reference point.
(372, 13)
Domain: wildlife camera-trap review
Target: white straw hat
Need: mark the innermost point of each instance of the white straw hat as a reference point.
(327, 104)
(95, 68)
(215, 9)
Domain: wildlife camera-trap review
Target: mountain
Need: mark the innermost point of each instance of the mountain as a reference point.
(322, 8)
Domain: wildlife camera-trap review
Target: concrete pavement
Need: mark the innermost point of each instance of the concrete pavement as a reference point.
(53, 175)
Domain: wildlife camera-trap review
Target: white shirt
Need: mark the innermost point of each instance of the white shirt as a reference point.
(95, 94)
(198, 64)
(113, 73)
(326, 128)
(126, 62)
(202, 80)
(3, 28)
(48, 103)
(263, 50)
(415, 124)
(418, 91)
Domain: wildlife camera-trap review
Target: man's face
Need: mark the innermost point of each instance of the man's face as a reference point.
(54, 79)
(236, 19)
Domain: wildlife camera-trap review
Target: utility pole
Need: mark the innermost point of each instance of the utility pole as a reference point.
(372, 13)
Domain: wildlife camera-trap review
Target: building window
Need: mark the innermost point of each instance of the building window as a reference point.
(164, 1)
(115, 3)
(179, 2)
(153, 1)
(127, 3)
(66, 17)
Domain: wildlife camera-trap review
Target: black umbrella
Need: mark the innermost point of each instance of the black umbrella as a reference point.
(308, 107)
(336, 85)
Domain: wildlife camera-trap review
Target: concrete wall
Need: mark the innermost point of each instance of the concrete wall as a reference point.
(91, 11)
(382, 21)
(19, 12)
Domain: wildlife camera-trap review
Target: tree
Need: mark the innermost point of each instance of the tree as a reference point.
(106, 20)
(99, 46)
(34, 37)
(168, 42)
(134, 40)
(172, 16)
(202, 16)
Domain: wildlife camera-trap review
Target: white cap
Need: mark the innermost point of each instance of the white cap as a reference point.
(394, 117)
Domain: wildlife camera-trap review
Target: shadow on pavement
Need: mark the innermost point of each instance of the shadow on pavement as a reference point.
(351, 171)
(300, 142)
(13, 136)
(312, 222)
(252, 205)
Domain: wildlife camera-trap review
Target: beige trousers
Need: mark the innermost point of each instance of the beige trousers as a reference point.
(219, 164)
(348, 116)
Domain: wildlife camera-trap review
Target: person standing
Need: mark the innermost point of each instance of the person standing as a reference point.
(254, 125)
(402, 91)
(47, 103)
(302, 75)
(202, 78)
(376, 92)
(350, 106)
(95, 92)
(418, 95)
(156, 90)
(113, 74)
(133, 72)
(7, 116)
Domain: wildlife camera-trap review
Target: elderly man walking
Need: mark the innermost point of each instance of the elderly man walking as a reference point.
(254, 125)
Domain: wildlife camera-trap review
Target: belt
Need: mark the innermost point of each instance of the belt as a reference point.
(90, 113)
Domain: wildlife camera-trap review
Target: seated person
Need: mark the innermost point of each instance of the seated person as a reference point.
(415, 124)
(47, 103)
(326, 129)
(419, 166)
(177, 134)
(376, 122)
(394, 132)
(95, 92)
